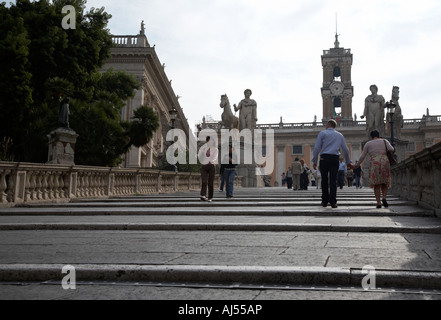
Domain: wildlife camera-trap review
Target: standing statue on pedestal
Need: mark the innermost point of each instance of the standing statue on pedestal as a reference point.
(374, 111)
(63, 114)
(248, 112)
(398, 116)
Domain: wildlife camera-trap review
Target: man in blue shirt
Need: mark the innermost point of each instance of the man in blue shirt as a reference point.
(328, 145)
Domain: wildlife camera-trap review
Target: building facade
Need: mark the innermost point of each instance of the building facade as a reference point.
(134, 55)
(297, 140)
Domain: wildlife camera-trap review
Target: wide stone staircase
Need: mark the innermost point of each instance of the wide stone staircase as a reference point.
(262, 239)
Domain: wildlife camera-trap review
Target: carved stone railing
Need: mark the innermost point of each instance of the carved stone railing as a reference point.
(22, 183)
(418, 178)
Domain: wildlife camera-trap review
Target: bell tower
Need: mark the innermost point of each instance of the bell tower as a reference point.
(337, 89)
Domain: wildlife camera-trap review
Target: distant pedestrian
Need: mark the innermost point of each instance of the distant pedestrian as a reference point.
(208, 157)
(283, 179)
(350, 178)
(296, 168)
(289, 179)
(342, 169)
(229, 161)
(304, 176)
(379, 171)
(328, 145)
(357, 175)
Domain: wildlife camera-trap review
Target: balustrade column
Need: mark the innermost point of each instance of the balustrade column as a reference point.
(3, 186)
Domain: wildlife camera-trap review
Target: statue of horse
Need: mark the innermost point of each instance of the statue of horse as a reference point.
(229, 120)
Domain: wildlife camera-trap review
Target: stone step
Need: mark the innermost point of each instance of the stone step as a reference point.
(244, 275)
(185, 202)
(252, 227)
(220, 209)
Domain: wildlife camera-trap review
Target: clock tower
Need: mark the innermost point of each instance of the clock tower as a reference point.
(337, 89)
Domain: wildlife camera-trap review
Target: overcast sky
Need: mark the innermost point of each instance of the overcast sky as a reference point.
(274, 48)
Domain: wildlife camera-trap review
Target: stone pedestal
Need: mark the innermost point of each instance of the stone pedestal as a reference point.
(62, 146)
(249, 172)
(400, 149)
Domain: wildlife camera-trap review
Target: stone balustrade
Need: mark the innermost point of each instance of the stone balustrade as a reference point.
(418, 178)
(125, 41)
(22, 183)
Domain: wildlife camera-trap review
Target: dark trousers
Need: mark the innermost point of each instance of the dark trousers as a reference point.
(304, 181)
(229, 176)
(341, 178)
(222, 181)
(357, 181)
(208, 172)
(329, 165)
(289, 183)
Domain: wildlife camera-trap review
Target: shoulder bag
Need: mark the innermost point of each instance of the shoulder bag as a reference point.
(390, 155)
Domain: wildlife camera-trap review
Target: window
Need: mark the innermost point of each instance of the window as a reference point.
(297, 150)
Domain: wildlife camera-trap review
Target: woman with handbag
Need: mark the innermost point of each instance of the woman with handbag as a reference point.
(379, 171)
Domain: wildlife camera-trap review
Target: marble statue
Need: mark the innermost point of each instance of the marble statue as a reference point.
(229, 120)
(248, 112)
(63, 113)
(374, 111)
(398, 116)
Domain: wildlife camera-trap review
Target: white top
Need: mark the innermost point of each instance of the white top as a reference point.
(375, 147)
(203, 155)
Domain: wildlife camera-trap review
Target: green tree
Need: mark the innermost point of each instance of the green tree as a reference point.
(141, 129)
(43, 62)
(15, 78)
(47, 52)
(103, 137)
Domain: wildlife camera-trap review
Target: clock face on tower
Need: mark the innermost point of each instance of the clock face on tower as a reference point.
(337, 88)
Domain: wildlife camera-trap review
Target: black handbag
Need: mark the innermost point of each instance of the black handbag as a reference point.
(390, 155)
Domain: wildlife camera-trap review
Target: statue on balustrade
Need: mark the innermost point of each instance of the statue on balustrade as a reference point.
(63, 113)
(374, 111)
(398, 116)
(248, 112)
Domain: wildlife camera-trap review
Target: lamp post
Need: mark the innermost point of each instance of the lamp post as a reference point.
(391, 111)
(173, 116)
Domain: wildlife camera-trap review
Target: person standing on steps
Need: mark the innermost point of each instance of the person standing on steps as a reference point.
(283, 179)
(229, 161)
(304, 176)
(296, 169)
(289, 178)
(328, 145)
(357, 175)
(342, 169)
(379, 171)
(208, 157)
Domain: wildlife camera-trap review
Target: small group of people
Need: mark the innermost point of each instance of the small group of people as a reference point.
(297, 176)
(352, 176)
(328, 145)
(208, 156)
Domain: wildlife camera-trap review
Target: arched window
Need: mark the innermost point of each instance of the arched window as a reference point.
(337, 72)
